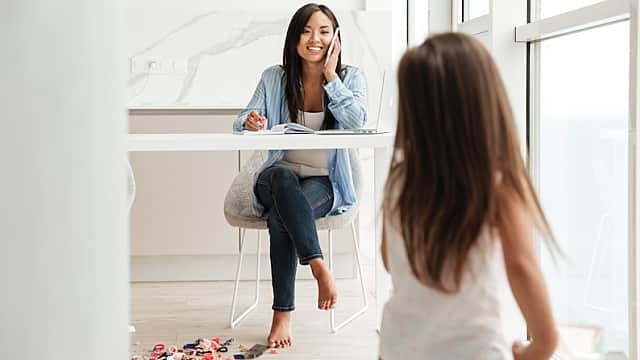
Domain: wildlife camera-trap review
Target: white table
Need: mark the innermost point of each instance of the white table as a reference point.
(381, 143)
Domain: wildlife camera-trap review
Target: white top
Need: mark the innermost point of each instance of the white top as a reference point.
(309, 162)
(419, 322)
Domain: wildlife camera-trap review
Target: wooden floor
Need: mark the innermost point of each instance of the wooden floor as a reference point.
(177, 313)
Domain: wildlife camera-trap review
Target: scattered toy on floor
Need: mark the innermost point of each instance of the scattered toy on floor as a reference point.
(203, 349)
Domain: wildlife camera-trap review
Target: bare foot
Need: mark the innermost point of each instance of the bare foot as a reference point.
(327, 292)
(280, 335)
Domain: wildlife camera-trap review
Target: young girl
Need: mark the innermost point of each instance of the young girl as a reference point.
(458, 212)
(296, 187)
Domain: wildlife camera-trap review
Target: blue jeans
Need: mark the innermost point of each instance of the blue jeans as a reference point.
(292, 205)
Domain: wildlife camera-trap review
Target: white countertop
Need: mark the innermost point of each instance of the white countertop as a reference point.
(228, 141)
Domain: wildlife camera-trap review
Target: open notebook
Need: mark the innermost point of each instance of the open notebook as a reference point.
(280, 129)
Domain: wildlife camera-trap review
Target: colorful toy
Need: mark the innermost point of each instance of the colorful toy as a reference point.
(225, 346)
(199, 349)
(158, 349)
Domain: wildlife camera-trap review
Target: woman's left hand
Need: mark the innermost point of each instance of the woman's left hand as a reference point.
(330, 70)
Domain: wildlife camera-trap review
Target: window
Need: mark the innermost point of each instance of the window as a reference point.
(580, 156)
(472, 9)
(554, 7)
(583, 179)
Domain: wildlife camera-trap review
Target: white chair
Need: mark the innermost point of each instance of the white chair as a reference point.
(238, 213)
(131, 196)
(131, 185)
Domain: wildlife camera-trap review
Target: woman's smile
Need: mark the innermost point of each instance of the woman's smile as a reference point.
(314, 49)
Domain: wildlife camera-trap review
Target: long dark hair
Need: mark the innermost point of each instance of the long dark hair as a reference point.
(457, 155)
(292, 64)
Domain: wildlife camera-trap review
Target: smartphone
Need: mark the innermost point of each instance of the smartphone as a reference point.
(333, 43)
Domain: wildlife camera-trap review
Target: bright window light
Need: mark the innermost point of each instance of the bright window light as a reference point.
(584, 83)
(554, 7)
(475, 8)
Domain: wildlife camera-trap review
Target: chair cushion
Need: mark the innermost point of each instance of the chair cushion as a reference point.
(335, 222)
(246, 221)
(237, 203)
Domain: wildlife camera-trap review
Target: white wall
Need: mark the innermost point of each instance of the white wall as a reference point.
(243, 5)
(211, 58)
(63, 238)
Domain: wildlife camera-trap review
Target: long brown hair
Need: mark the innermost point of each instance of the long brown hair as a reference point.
(292, 64)
(456, 140)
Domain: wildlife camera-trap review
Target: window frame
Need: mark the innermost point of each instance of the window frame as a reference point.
(583, 19)
(532, 32)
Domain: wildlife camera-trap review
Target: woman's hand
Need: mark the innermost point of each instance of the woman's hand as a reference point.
(330, 70)
(254, 121)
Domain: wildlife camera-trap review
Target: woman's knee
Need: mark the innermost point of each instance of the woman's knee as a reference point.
(283, 177)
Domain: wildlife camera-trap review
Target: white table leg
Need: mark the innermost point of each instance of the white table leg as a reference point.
(382, 157)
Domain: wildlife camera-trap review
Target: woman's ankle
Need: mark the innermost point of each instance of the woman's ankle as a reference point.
(281, 316)
(318, 267)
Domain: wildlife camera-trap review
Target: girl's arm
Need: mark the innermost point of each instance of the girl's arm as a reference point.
(525, 278)
(383, 246)
(347, 99)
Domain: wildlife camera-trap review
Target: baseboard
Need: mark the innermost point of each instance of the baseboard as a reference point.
(220, 267)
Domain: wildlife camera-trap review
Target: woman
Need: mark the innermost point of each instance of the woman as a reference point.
(296, 187)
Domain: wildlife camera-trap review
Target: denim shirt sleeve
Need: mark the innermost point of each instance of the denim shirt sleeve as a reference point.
(347, 99)
(257, 103)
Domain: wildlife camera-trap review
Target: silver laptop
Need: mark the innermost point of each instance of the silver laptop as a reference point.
(376, 130)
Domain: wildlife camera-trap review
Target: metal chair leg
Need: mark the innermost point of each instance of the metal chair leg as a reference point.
(330, 237)
(335, 328)
(234, 321)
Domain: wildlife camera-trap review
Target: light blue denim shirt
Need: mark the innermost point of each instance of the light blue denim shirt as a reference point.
(347, 103)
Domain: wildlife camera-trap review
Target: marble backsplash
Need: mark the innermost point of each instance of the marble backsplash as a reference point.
(205, 58)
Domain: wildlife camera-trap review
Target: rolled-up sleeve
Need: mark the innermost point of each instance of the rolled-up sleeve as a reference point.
(348, 99)
(257, 103)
